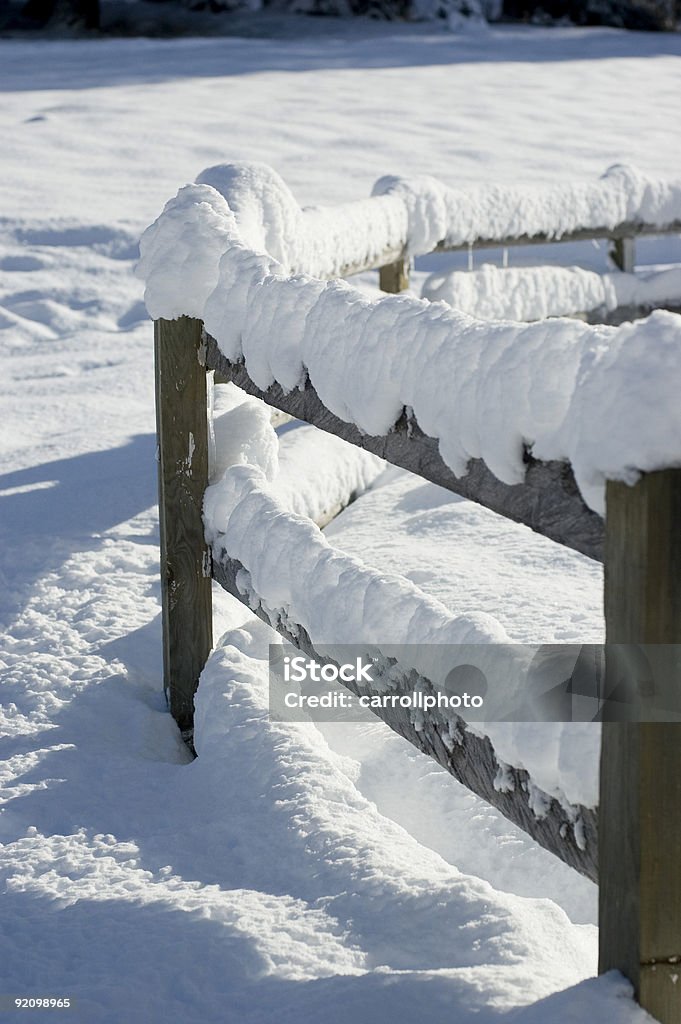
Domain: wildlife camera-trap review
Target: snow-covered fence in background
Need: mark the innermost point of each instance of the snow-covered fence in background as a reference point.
(548, 423)
(408, 217)
(534, 293)
(621, 206)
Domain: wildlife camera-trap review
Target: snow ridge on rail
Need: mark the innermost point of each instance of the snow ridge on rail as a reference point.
(605, 399)
(413, 216)
(320, 241)
(438, 213)
(327, 602)
(533, 293)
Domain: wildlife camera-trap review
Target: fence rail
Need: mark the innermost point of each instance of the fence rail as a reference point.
(394, 273)
(567, 831)
(548, 501)
(394, 263)
(632, 842)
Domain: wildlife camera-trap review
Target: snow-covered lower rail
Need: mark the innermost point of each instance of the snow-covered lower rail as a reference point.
(567, 830)
(521, 418)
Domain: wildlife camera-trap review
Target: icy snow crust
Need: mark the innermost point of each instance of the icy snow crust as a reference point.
(605, 399)
(532, 293)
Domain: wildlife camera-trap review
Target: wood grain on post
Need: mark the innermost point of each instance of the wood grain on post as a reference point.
(640, 800)
(394, 277)
(182, 430)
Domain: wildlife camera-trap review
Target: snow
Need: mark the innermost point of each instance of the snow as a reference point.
(258, 510)
(312, 473)
(535, 591)
(486, 390)
(532, 293)
(240, 433)
(297, 575)
(320, 241)
(438, 212)
(335, 597)
(152, 888)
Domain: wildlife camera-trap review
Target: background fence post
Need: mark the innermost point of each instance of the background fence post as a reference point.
(623, 254)
(394, 277)
(182, 432)
(640, 801)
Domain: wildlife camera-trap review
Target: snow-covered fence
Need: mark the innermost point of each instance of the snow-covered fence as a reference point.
(550, 424)
(536, 292)
(620, 207)
(407, 217)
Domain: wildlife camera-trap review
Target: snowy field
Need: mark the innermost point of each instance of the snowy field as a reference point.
(290, 873)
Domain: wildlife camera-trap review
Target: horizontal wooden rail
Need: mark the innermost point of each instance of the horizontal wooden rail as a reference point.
(548, 501)
(394, 263)
(394, 272)
(472, 760)
(625, 230)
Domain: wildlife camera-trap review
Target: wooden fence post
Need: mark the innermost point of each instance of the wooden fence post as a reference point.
(640, 800)
(623, 254)
(394, 277)
(182, 432)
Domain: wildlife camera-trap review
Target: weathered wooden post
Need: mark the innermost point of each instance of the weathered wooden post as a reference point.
(182, 431)
(623, 254)
(394, 277)
(640, 798)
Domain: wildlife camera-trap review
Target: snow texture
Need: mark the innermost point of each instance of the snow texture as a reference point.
(537, 591)
(440, 213)
(533, 293)
(339, 599)
(293, 571)
(320, 241)
(153, 888)
(313, 473)
(334, 596)
(592, 395)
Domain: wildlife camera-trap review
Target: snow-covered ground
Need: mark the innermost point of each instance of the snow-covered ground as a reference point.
(290, 873)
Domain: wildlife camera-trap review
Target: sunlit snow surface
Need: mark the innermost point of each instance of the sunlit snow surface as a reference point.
(289, 874)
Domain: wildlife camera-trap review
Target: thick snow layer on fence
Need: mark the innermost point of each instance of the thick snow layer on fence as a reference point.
(321, 241)
(294, 572)
(532, 293)
(438, 213)
(308, 471)
(349, 602)
(604, 399)
(416, 214)
(313, 473)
